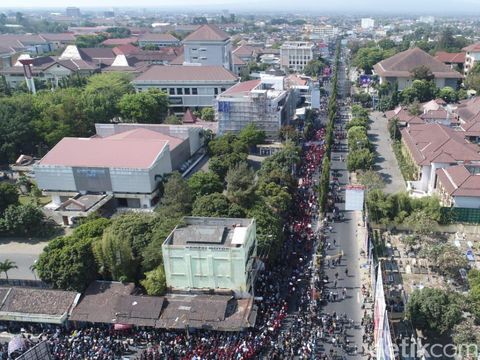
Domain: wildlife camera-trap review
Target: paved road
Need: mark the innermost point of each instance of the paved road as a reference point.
(344, 234)
(24, 255)
(386, 163)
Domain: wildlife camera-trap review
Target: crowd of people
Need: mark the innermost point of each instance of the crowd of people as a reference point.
(290, 321)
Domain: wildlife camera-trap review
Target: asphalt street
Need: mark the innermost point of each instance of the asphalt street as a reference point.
(344, 236)
(23, 255)
(386, 162)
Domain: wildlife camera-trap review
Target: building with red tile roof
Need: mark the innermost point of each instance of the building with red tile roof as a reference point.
(158, 40)
(188, 86)
(122, 41)
(398, 68)
(459, 186)
(209, 45)
(451, 58)
(434, 146)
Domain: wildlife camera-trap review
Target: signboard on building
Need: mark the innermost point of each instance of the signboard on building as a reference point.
(92, 179)
(354, 197)
(175, 100)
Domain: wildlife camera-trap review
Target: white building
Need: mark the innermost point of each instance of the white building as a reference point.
(472, 55)
(158, 40)
(208, 45)
(211, 254)
(83, 174)
(430, 147)
(367, 23)
(322, 32)
(295, 55)
(427, 19)
(265, 102)
(187, 86)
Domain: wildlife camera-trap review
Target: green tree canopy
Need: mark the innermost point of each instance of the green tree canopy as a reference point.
(177, 196)
(240, 184)
(144, 107)
(434, 310)
(204, 183)
(362, 159)
(24, 220)
(208, 114)
(8, 196)
(314, 68)
(251, 135)
(155, 282)
(212, 205)
(102, 94)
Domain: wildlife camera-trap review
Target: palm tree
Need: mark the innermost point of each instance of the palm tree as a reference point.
(6, 266)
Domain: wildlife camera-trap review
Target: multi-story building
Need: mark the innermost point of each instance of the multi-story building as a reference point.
(84, 174)
(72, 11)
(399, 68)
(265, 102)
(211, 254)
(158, 40)
(472, 55)
(322, 32)
(295, 55)
(187, 86)
(208, 45)
(367, 23)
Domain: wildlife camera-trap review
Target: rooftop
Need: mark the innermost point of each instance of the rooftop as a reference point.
(98, 303)
(186, 73)
(460, 180)
(451, 58)
(198, 231)
(129, 153)
(157, 37)
(430, 143)
(402, 64)
(35, 302)
(207, 32)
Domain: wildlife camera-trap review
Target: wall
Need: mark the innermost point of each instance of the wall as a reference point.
(208, 53)
(58, 178)
(467, 202)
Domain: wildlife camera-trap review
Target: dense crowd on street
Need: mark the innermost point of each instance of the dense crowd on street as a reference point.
(290, 322)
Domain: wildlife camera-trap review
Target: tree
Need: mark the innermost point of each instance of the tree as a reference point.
(448, 259)
(269, 230)
(372, 180)
(448, 94)
(422, 72)
(357, 121)
(89, 41)
(240, 184)
(144, 107)
(366, 57)
(208, 114)
(16, 134)
(314, 68)
(24, 220)
(275, 196)
(434, 310)
(466, 333)
(393, 130)
(474, 292)
(6, 266)
(362, 159)
(204, 183)
(68, 262)
(8, 196)
(420, 222)
(212, 205)
(177, 196)
(155, 282)
(102, 94)
(251, 135)
(414, 108)
(173, 120)
(118, 32)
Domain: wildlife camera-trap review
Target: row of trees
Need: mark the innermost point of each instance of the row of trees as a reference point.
(32, 124)
(324, 185)
(361, 154)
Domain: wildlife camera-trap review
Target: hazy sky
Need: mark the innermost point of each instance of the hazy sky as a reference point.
(401, 6)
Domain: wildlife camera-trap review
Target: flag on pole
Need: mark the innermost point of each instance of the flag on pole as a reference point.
(380, 305)
(385, 344)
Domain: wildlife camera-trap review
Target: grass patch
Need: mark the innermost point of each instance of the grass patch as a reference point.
(27, 199)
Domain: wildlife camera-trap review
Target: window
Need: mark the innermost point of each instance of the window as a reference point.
(187, 91)
(179, 91)
(215, 90)
(165, 90)
(194, 49)
(171, 91)
(223, 89)
(203, 58)
(194, 91)
(203, 49)
(195, 57)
